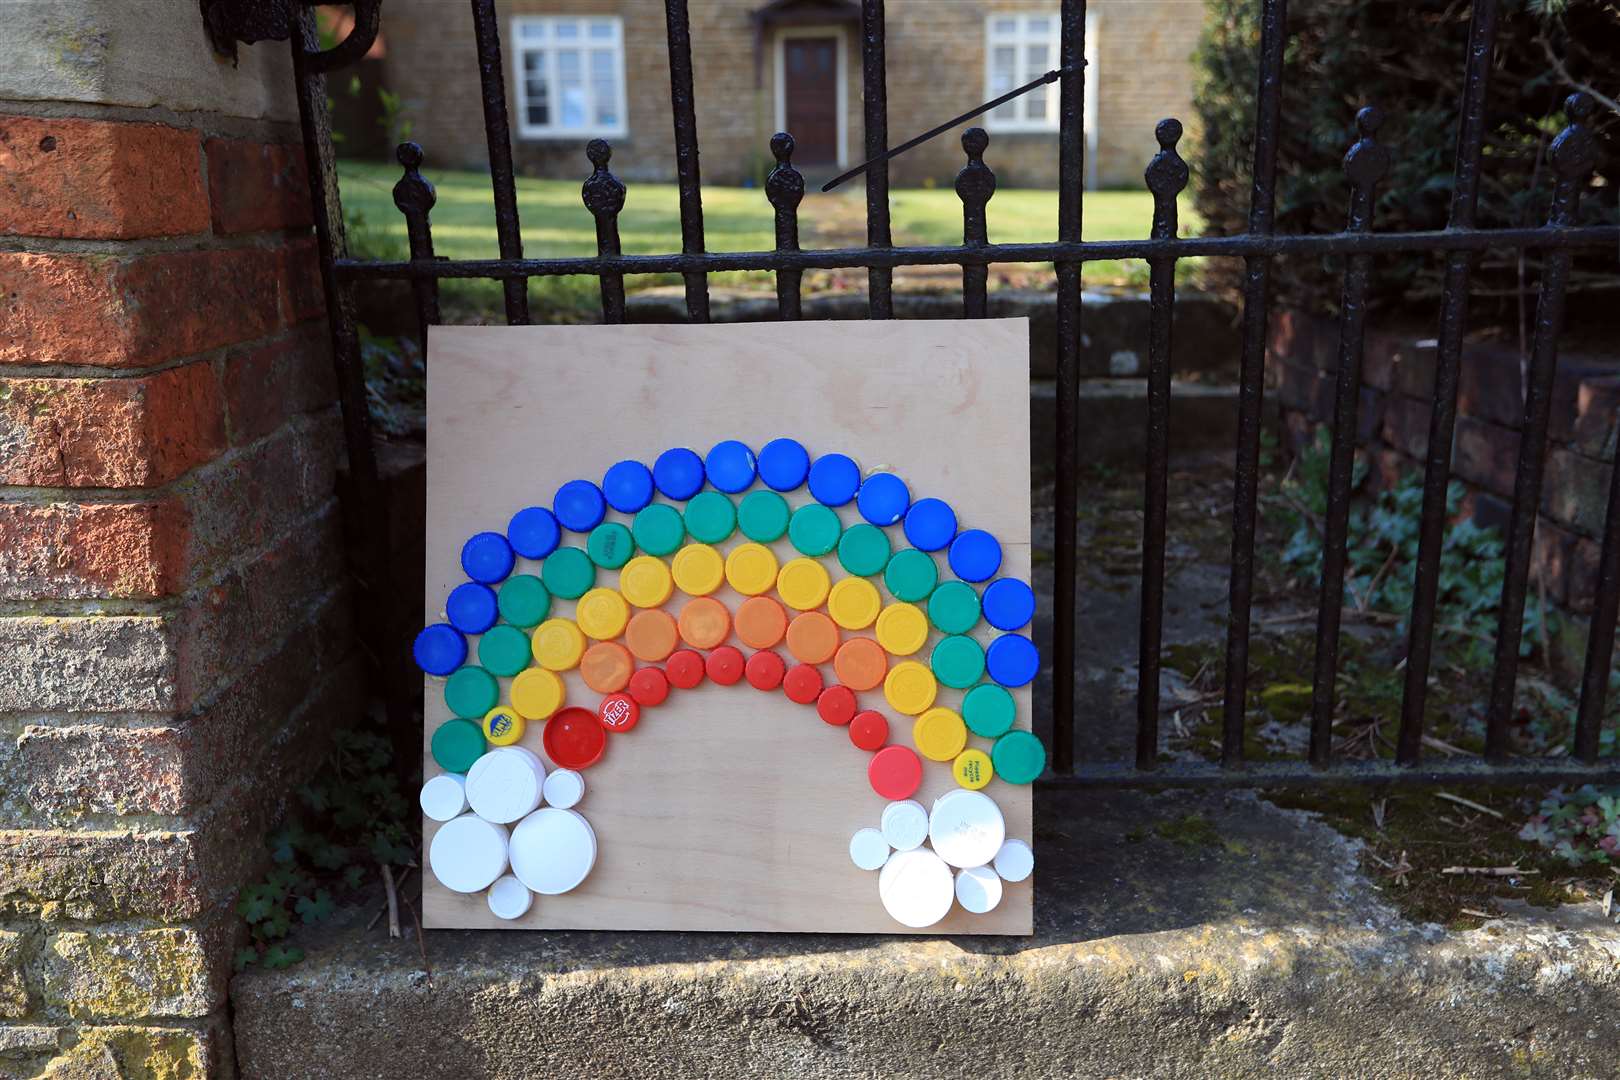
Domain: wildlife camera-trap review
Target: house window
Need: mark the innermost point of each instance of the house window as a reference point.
(570, 76)
(1019, 48)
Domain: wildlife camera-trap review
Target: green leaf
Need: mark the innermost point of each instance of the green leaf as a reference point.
(317, 908)
(280, 955)
(245, 958)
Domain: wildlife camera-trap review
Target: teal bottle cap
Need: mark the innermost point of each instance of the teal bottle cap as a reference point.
(863, 550)
(989, 710)
(957, 661)
(911, 575)
(471, 692)
(814, 530)
(457, 744)
(504, 650)
(954, 607)
(763, 516)
(524, 600)
(658, 530)
(711, 517)
(609, 545)
(568, 572)
(1019, 757)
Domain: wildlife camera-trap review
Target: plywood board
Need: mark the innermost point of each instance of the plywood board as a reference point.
(728, 808)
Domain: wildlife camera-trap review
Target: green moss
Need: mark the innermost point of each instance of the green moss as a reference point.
(1189, 831)
(133, 1053)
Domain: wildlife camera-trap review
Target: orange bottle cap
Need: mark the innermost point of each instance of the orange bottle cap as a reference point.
(651, 635)
(704, 622)
(812, 637)
(761, 622)
(606, 667)
(861, 664)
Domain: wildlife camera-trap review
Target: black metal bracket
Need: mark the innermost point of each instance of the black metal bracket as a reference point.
(233, 22)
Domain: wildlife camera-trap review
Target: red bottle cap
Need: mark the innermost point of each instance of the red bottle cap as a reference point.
(724, 665)
(619, 712)
(765, 670)
(895, 772)
(649, 686)
(574, 738)
(802, 684)
(869, 730)
(837, 706)
(685, 669)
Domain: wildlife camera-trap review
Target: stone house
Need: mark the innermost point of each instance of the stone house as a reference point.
(585, 68)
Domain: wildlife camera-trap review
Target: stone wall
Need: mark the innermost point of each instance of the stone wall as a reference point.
(174, 625)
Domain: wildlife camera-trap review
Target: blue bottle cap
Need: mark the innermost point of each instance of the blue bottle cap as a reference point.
(439, 649)
(471, 608)
(579, 505)
(1009, 604)
(678, 473)
(730, 466)
(628, 486)
(783, 464)
(1012, 660)
(534, 532)
(930, 524)
(487, 557)
(834, 479)
(975, 555)
(883, 499)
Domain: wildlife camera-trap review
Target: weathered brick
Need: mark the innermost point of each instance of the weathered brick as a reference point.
(1490, 385)
(98, 663)
(1553, 555)
(1486, 454)
(82, 550)
(66, 772)
(144, 1051)
(22, 1040)
(254, 186)
(112, 974)
(16, 1001)
(1379, 356)
(1412, 369)
(1306, 389)
(1406, 426)
(300, 282)
(99, 179)
(265, 385)
(101, 874)
(1576, 491)
(1596, 420)
(1569, 385)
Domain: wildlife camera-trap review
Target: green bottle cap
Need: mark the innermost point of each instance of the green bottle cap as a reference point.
(471, 692)
(504, 650)
(911, 575)
(954, 607)
(763, 516)
(710, 517)
(957, 661)
(1018, 757)
(524, 601)
(863, 550)
(609, 545)
(989, 710)
(658, 529)
(568, 572)
(814, 530)
(457, 744)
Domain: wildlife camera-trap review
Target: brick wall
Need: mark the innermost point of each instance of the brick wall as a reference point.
(174, 627)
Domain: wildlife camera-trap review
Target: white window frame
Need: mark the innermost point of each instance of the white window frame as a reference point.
(1053, 40)
(522, 46)
(841, 35)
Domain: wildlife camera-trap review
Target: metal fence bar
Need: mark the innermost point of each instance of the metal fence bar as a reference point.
(975, 184)
(683, 107)
(414, 196)
(603, 195)
(875, 97)
(1600, 634)
(784, 187)
(1301, 774)
(492, 81)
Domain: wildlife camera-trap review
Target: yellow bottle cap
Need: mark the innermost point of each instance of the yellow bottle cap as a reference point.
(803, 584)
(751, 568)
(939, 734)
(558, 644)
(902, 629)
(972, 769)
(853, 603)
(602, 613)
(537, 693)
(698, 569)
(503, 726)
(645, 581)
(910, 687)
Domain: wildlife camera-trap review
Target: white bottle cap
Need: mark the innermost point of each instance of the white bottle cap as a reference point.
(468, 854)
(444, 796)
(978, 889)
(504, 785)
(553, 850)
(966, 828)
(564, 789)
(509, 898)
(868, 849)
(530, 754)
(1015, 861)
(905, 824)
(916, 888)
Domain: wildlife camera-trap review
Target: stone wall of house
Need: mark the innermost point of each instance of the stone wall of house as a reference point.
(174, 624)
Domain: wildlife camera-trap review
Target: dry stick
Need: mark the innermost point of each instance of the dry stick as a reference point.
(421, 942)
(393, 900)
(1470, 803)
(1378, 578)
(1557, 64)
(1489, 871)
(1444, 747)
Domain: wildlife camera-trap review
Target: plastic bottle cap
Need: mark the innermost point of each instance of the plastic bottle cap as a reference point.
(761, 622)
(1015, 861)
(471, 607)
(533, 532)
(784, 464)
(557, 645)
(868, 850)
(1019, 757)
(609, 545)
(649, 686)
(456, 744)
(704, 622)
(574, 739)
(468, 853)
(444, 797)
(763, 516)
(678, 474)
(628, 486)
(487, 557)
(602, 614)
(989, 710)
(579, 506)
(895, 772)
(724, 666)
(966, 827)
(439, 649)
(710, 517)
(509, 898)
(863, 550)
(619, 712)
(505, 785)
(916, 888)
(836, 705)
(698, 569)
(553, 850)
(954, 607)
(751, 568)
(1012, 660)
(765, 670)
(930, 524)
(905, 824)
(503, 725)
(869, 730)
(883, 499)
(524, 601)
(802, 684)
(606, 666)
(658, 529)
(471, 692)
(646, 581)
(834, 479)
(902, 629)
(861, 664)
(651, 635)
(814, 530)
(1009, 604)
(911, 575)
(685, 669)
(803, 584)
(568, 572)
(972, 769)
(504, 650)
(939, 734)
(957, 661)
(812, 638)
(975, 555)
(731, 466)
(854, 603)
(978, 889)
(909, 687)
(537, 693)
(564, 788)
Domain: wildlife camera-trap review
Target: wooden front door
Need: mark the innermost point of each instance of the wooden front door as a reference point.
(810, 98)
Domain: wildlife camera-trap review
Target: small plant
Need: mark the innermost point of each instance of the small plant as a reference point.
(1581, 827)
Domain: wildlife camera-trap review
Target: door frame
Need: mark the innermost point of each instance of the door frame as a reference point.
(841, 35)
